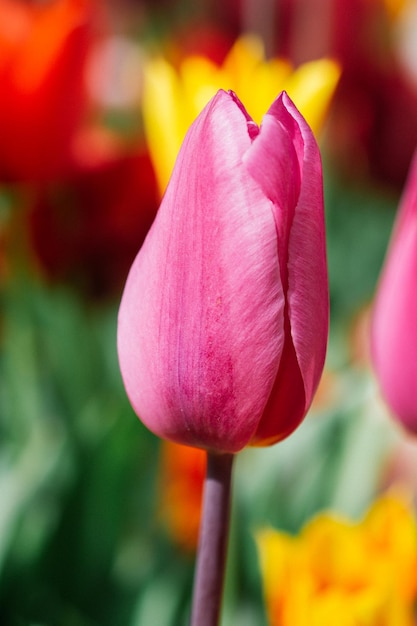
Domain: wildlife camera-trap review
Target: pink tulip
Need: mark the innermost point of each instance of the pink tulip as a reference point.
(394, 322)
(223, 322)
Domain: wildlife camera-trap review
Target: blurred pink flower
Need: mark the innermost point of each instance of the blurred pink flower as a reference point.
(394, 322)
(223, 322)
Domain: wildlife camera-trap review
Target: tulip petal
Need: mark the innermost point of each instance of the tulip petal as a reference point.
(201, 320)
(292, 178)
(308, 299)
(394, 327)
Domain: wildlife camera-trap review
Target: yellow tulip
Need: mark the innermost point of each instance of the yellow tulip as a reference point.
(340, 572)
(172, 99)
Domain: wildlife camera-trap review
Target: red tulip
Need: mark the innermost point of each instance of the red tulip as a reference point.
(223, 322)
(394, 322)
(88, 228)
(202, 39)
(43, 47)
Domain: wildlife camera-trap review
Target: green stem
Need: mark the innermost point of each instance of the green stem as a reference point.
(212, 547)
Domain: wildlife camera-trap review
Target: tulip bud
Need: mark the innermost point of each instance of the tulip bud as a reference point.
(224, 318)
(394, 320)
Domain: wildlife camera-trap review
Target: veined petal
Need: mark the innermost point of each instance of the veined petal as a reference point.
(201, 319)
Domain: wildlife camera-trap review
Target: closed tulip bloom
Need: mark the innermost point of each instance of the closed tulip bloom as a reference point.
(394, 322)
(224, 318)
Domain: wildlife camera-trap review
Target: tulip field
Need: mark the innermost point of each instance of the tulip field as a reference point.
(208, 322)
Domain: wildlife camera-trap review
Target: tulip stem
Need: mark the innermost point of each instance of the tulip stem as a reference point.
(212, 546)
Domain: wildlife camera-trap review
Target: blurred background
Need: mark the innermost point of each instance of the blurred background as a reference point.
(98, 518)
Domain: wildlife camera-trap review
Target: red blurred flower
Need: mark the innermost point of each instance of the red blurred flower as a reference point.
(88, 228)
(43, 47)
(199, 39)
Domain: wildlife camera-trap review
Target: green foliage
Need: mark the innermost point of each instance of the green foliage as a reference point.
(359, 221)
(81, 543)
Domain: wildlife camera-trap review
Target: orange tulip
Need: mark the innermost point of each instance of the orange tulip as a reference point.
(181, 485)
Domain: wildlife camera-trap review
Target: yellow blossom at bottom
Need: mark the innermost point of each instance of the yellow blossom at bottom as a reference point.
(345, 573)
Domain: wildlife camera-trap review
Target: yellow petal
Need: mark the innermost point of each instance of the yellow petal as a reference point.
(244, 57)
(269, 79)
(338, 571)
(336, 552)
(391, 533)
(311, 87)
(276, 555)
(256, 81)
(165, 121)
(201, 79)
